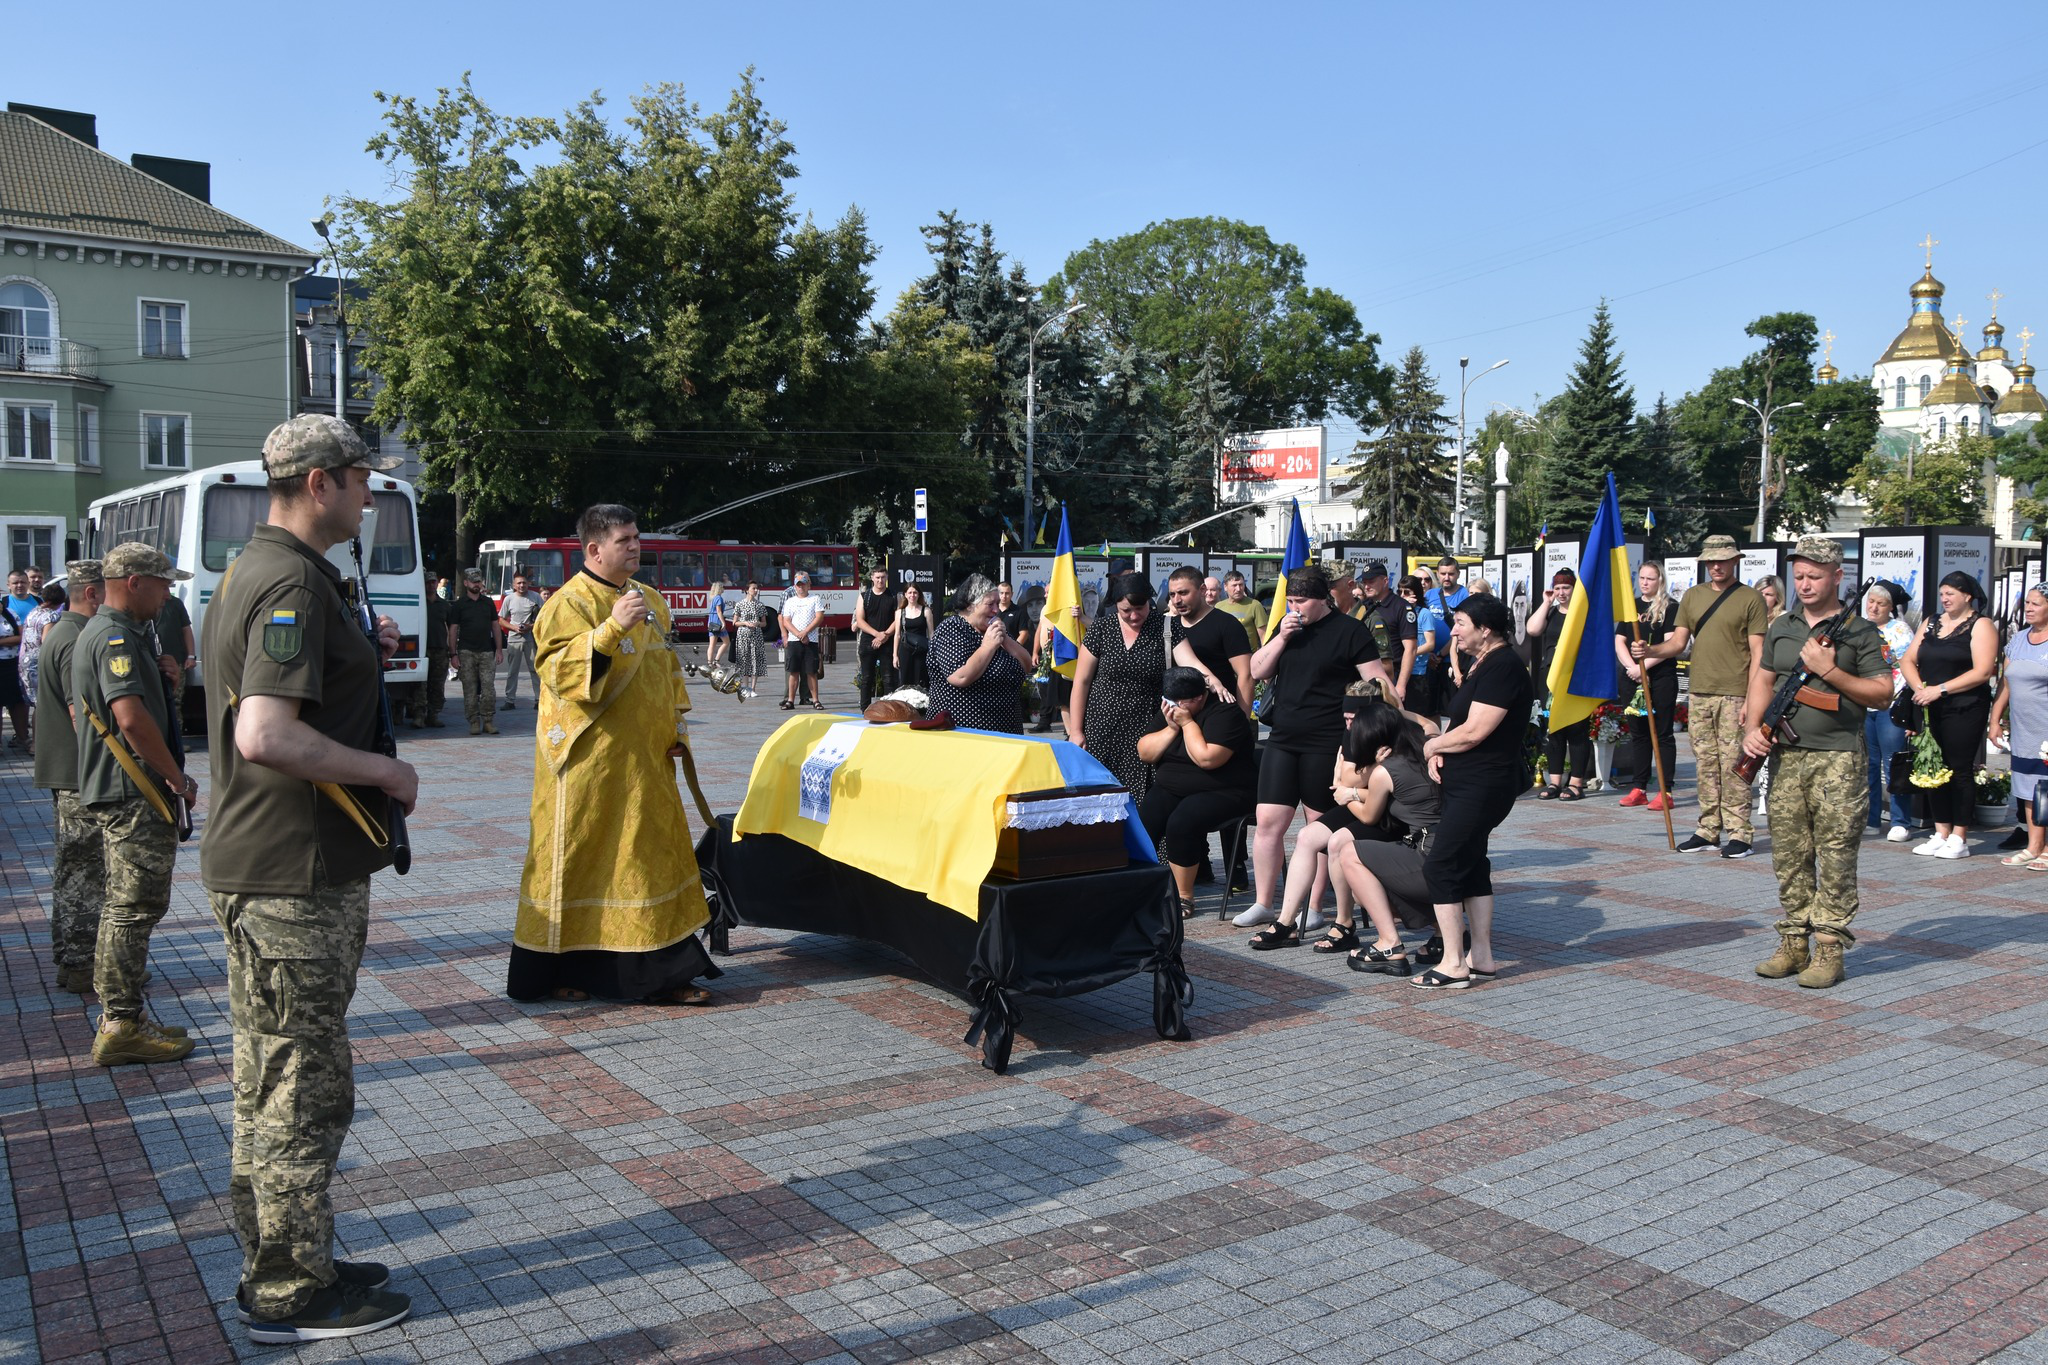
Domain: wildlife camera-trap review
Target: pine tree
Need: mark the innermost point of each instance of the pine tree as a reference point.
(1405, 482)
(1595, 435)
(1672, 486)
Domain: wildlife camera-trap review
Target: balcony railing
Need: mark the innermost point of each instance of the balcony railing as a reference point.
(54, 356)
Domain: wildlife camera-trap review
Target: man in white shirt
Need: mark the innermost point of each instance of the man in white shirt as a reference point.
(802, 620)
(516, 615)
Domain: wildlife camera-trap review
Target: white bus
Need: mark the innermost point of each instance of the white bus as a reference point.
(202, 519)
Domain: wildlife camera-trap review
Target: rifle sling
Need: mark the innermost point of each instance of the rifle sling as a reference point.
(340, 796)
(152, 791)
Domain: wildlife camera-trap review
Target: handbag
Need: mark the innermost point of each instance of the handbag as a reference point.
(1905, 712)
(1898, 779)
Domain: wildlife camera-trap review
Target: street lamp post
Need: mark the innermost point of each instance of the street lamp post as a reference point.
(340, 325)
(1764, 414)
(1458, 501)
(1031, 415)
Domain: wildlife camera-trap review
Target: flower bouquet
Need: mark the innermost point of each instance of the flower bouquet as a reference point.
(1929, 770)
(1608, 726)
(1993, 788)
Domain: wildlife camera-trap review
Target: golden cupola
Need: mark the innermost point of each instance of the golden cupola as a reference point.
(1994, 332)
(1924, 337)
(1958, 384)
(2022, 399)
(1827, 373)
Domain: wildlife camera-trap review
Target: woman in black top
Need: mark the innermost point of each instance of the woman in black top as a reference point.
(1395, 793)
(1203, 774)
(913, 639)
(1949, 667)
(1116, 682)
(1573, 744)
(1636, 774)
(977, 667)
(1478, 762)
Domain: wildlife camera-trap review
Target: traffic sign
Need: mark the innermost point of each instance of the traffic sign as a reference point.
(923, 521)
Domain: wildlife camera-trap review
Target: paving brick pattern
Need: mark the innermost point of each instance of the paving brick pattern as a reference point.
(1628, 1148)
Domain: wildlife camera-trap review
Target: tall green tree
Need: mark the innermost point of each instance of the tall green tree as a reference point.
(1595, 435)
(1404, 483)
(1673, 486)
(2023, 458)
(1941, 484)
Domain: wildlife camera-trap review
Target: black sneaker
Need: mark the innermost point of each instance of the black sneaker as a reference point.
(338, 1311)
(1736, 849)
(1205, 874)
(1694, 844)
(351, 1274)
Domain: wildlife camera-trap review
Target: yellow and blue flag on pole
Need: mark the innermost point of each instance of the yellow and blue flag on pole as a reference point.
(1295, 556)
(1583, 671)
(1062, 595)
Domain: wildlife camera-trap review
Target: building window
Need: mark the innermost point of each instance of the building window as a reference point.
(89, 436)
(1963, 427)
(166, 443)
(1900, 400)
(28, 545)
(163, 329)
(1926, 386)
(28, 431)
(26, 334)
(1942, 434)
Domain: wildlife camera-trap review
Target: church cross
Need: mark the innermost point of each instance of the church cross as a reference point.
(1931, 243)
(1994, 296)
(1829, 339)
(2026, 337)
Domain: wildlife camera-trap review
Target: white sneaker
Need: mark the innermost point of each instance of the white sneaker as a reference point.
(1257, 915)
(1899, 834)
(1933, 844)
(1954, 847)
(1314, 920)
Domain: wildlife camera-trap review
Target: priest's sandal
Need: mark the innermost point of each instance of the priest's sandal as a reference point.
(1380, 961)
(681, 995)
(1342, 938)
(1277, 936)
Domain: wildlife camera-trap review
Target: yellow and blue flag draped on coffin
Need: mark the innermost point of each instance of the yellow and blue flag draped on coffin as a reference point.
(1062, 595)
(1584, 669)
(1295, 556)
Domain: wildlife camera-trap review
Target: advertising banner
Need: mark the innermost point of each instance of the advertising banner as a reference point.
(1160, 563)
(1359, 553)
(1558, 554)
(1493, 572)
(1263, 464)
(1967, 549)
(1897, 557)
(1519, 589)
(1761, 561)
(1681, 575)
(924, 570)
(1029, 577)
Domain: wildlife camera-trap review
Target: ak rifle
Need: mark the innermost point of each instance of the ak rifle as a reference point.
(1795, 691)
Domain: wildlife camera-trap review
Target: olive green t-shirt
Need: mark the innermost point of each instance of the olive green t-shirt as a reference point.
(1859, 652)
(111, 660)
(278, 626)
(56, 737)
(1720, 652)
(171, 624)
(1250, 613)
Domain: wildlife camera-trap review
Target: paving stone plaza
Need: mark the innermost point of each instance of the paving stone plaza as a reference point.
(1628, 1148)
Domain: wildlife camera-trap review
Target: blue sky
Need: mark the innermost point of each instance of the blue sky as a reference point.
(1474, 178)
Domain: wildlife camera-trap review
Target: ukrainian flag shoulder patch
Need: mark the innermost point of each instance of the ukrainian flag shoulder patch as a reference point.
(283, 636)
(284, 617)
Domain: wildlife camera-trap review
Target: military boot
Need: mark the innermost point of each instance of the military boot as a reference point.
(1791, 957)
(1826, 968)
(77, 980)
(121, 1041)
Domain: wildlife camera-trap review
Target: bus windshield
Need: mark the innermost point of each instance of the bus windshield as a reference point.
(392, 551)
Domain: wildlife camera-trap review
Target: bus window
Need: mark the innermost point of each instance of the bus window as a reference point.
(771, 568)
(843, 565)
(227, 516)
(392, 550)
(682, 569)
(171, 524)
(818, 564)
(729, 567)
(543, 568)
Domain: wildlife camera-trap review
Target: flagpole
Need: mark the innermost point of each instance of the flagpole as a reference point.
(1656, 749)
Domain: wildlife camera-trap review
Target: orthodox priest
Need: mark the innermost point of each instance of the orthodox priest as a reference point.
(610, 903)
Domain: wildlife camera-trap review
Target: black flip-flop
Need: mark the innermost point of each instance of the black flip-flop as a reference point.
(1434, 980)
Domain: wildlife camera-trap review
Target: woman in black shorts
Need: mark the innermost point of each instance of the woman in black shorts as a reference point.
(1478, 762)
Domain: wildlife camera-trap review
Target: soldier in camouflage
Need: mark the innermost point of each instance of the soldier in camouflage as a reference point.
(1817, 822)
(78, 875)
(301, 800)
(130, 782)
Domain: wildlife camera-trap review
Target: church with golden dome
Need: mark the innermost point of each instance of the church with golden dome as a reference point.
(1931, 386)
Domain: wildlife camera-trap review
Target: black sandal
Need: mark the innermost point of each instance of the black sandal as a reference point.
(1549, 792)
(788, 705)
(1572, 794)
(1380, 961)
(1342, 938)
(1277, 936)
(1187, 909)
(1434, 980)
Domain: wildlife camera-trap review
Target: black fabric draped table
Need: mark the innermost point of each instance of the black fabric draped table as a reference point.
(1056, 936)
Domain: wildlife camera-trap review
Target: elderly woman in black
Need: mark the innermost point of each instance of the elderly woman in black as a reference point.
(1203, 774)
(1116, 682)
(977, 667)
(1478, 763)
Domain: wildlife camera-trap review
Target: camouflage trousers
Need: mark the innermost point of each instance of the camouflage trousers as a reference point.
(1716, 745)
(292, 964)
(140, 850)
(479, 684)
(1818, 801)
(432, 694)
(78, 884)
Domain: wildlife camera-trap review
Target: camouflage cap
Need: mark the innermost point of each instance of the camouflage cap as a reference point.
(472, 575)
(133, 559)
(315, 440)
(1818, 549)
(84, 571)
(1720, 547)
(1338, 569)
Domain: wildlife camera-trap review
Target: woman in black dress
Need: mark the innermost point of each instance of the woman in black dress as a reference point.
(1949, 667)
(1572, 745)
(977, 667)
(1636, 774)
(913, 639)
(1116, 683)
(1478, 764)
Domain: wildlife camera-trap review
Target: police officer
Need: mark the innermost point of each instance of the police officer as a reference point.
(1392, 622)
(78, 875)
(1817, 822)
(432, 695)
(298, 828)
(131, 783)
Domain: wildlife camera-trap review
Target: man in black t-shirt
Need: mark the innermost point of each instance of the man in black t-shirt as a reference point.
(874, 626)
(1313, 656)
(1208, 640)
(1203, 777)
(1011, 612)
